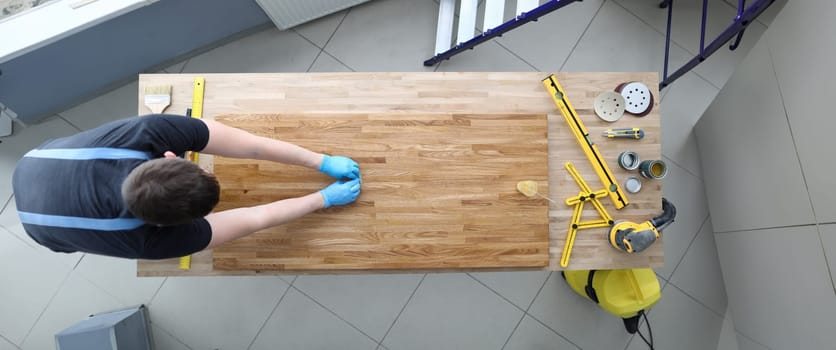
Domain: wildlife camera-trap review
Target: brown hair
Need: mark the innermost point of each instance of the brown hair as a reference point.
(170, 191)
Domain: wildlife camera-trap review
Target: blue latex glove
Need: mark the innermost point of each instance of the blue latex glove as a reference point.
(341, 192)
(339, 167)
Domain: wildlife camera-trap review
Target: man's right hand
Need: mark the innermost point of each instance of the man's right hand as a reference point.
(341, 192)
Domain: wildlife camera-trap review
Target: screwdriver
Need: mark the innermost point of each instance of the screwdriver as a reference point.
(627, 133)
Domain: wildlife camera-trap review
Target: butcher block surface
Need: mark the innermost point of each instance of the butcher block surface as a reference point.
(438, 192)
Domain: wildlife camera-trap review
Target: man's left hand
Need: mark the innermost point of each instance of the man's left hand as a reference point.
(339, 167)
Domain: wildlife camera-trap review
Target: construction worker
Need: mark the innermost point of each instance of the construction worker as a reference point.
(121, 190)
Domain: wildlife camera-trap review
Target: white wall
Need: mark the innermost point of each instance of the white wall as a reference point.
(768, 151)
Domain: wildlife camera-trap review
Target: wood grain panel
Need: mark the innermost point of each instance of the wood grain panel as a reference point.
(439, 192)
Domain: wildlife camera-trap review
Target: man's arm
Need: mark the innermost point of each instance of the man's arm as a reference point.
(236, 143)
(236, 223)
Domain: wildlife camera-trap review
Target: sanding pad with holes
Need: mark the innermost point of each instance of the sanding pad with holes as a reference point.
(637, 97)
(609, 106)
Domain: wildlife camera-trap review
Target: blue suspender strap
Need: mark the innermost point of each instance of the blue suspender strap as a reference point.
(116, 224)
(88, 153)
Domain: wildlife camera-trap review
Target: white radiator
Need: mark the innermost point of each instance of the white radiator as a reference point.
(289, 13)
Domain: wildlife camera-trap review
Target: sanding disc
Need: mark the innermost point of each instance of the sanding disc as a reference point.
(609, 106)
(637, 97)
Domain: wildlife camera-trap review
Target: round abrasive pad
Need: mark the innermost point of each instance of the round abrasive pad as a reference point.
(609, 106)
(637, 97)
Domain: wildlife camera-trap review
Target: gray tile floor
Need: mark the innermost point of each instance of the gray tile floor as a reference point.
(43, 292)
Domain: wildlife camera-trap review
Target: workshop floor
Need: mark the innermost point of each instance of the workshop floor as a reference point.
(44, 292)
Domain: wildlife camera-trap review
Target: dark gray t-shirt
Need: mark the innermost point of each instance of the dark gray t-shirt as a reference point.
(92, 189)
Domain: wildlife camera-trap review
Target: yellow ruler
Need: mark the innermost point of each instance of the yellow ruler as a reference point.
(197, 113)
(589, 147)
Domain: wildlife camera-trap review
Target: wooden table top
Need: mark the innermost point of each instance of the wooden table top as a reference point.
(517, 93)
(439, 192)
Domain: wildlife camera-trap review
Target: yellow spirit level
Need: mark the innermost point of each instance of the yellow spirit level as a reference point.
(197, 113)
(589, 147)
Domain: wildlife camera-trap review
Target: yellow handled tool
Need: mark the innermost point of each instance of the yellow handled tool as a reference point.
(625, 133)
(589, 147)
(197, 113)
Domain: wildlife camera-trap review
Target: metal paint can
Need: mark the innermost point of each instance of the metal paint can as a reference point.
(629, 160)
(653, 169)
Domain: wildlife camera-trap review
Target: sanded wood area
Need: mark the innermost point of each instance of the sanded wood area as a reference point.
(438, 193)
(448, 92)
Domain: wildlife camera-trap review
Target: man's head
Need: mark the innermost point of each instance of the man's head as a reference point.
(170, 191)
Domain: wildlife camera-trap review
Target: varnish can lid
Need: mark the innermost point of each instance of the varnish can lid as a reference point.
(633, 184)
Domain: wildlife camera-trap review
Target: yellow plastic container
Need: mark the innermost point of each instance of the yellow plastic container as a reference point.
(623, 293)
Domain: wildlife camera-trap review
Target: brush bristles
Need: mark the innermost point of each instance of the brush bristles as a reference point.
(158, 90)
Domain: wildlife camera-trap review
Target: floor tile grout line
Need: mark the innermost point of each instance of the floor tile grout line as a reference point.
(102, 289)
(48, 304)
(698, 301)
(750, 338)
(336, 29)
(312, 43)
(673, 42)
(171, 335)
(6, 203)
(709, 82)
(516, 55)
(826, 260)
(525, 312)
(380, 343)
(541, 322)
(322, 49)
(9, 341)
(156, 292)
(511, 335)
(83, 255)
(764, 228)
(629, 341)
(186, 63)
(308, 70)
(21, 239)
(565, 60)
(690, 244)
(68, 122)
(683, 167)
(272, 312)
(553, 330)
(335, 314)
(338, 60)
(800, 165)
(494, 292)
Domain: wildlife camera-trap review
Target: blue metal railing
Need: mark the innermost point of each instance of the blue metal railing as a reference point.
(488, 34)
(745, 16)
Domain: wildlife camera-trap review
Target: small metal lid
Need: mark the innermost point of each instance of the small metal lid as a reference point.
(633, 184)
